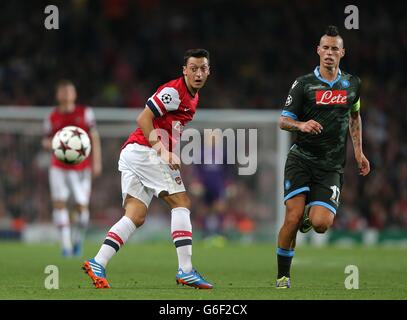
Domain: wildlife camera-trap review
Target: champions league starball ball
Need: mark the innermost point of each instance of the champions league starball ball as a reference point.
(71, 145)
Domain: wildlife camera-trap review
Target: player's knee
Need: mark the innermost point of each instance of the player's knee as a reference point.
(59, 205)
(139, 221)
(294, 212)
(180, 200)
(81, 208)
(321, 226)
(135, 210)
(292, 220)
(137, 218)
(186, 202)
(321, 219)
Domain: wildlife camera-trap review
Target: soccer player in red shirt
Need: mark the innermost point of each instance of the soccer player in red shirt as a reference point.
(68, 179)
(149, 167)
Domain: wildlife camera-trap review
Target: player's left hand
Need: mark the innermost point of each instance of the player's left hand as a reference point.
(363, 165)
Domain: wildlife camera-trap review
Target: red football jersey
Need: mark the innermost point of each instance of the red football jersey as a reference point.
(173, 106)
(82, 117)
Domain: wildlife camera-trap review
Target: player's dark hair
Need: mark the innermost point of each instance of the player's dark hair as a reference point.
(64, 83)
(196, 53)
(332, 31)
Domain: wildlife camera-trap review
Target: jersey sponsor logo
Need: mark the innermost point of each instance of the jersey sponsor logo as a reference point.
(178, 180)
(166, 98)
(288, 101)
(330, 97)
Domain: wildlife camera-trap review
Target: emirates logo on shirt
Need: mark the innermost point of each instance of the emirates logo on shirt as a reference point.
(330, 97)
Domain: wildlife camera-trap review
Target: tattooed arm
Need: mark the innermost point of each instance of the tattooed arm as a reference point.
(289, 124)
(355, 130)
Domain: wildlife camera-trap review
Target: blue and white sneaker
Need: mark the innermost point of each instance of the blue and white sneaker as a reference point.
(97, 273)
(192, 279)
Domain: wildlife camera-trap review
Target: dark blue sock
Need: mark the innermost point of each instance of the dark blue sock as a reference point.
(284, 258)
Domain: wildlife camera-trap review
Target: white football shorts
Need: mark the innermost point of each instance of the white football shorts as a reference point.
(144, 174)
(64, 183)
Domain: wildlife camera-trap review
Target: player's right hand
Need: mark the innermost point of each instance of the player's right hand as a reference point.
(311, 126)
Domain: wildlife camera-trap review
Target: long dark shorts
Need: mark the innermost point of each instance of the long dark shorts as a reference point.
(321, 187)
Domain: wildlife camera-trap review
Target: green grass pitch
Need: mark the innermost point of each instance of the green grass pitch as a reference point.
(147, 271)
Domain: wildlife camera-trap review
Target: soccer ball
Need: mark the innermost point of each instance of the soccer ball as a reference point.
(71, 145)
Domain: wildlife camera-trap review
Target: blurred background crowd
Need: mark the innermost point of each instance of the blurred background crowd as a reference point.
(118, 51)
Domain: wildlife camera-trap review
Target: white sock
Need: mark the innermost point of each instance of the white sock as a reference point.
(115, 239)
(81, 225)
(181, 231)
(61, 220)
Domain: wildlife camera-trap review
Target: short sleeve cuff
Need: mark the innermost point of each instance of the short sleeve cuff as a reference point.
(356, 106)
(289, 114)
(156, 110)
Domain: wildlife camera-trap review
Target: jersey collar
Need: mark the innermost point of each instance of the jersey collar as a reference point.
(331, 84)
(185, 84)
